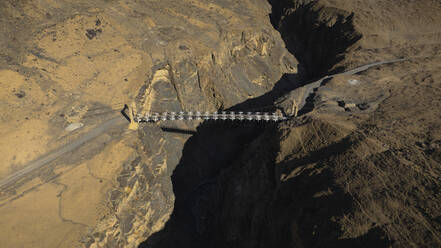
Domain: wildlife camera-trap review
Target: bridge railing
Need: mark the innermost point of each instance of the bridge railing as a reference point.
(224, 115)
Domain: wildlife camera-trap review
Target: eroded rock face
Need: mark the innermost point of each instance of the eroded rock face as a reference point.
(360, 167)
(65, 63)
(353, 171)
(316, 32)
(206, 67)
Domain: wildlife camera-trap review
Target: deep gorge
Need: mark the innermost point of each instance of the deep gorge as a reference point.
(226, 184)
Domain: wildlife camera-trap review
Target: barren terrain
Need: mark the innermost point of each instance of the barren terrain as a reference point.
(358, 165)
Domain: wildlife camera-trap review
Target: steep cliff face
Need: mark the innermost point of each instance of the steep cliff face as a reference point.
(356, 170)
(67, 67)
(215, 65)
(360, 166)
(318, 34)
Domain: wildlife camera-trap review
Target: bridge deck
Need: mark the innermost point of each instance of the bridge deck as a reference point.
(240, 116)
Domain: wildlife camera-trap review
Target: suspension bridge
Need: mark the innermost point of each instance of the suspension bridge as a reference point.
(152, 117)
(224, 115)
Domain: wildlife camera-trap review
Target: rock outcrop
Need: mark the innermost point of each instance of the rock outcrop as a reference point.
(317, 33)
(66, 64)
(359, 166)
(355, 169)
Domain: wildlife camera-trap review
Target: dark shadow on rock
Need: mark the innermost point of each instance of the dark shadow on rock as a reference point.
(309, 101)
(291, 213)
(306, 207)
(213, 149)
(317, 36)
(287, 83)
(196, 185)
(177, 130)
(226, 191)
(375, 237)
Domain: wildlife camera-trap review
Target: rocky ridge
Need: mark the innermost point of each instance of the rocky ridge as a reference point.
(358, 167)
(344, 173)
(75, 64)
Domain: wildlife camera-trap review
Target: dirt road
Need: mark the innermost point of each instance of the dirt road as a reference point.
(51, 156)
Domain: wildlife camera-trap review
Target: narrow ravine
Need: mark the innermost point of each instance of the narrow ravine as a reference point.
(350, 158)
(225, 182)
(317, 36)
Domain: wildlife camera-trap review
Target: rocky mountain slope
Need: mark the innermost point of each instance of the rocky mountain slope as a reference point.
(67, 67)
(359, 165)
(359, 168)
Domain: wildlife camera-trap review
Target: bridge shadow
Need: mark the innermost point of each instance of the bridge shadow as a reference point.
(212, 149)
(178, 130)
(197, 186)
